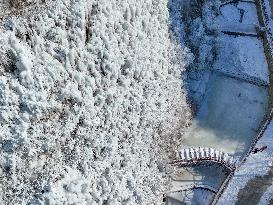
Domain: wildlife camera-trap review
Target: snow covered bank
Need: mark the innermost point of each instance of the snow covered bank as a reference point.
(253, 178)
(91, 103)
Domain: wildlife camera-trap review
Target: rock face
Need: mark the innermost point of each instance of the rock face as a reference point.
(91, 102)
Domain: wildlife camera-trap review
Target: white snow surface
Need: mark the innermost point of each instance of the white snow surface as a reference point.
(232, 13)
(91, 103)
(250, 59)
(256, 165)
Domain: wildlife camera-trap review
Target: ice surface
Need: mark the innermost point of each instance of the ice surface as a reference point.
(238, 17)
(189, 177)
(242, 12)
(242, 54)
(196, 196)
(229, 116)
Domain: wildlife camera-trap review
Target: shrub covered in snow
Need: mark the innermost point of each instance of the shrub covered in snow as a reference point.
(91, 103)
(200, 30)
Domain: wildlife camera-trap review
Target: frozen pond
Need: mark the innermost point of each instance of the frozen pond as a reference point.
(229, 116)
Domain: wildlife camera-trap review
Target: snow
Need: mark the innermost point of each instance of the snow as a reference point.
(267, 196)
(227, 81)
(196, 196)
(257, 164)
(254, 176)
(91, 102)
(229, 115)
(241, 12)
(250, 58)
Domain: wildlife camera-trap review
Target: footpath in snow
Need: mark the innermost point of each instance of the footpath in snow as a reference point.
(254, 176)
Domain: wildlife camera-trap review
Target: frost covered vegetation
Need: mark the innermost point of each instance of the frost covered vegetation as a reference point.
(91, 103)
(195, 23)
(18, 7)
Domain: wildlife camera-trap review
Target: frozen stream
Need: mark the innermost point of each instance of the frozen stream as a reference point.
(229, 116)
(231, 99)
(232, 107)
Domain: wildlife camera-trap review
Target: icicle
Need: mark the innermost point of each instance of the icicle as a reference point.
(206, 152)
(202, 153)
(182, 154)
(230, 161)
(197, 152)
(225, 157)
(217, 155)
(187, 154)
(212, 153)
(192, 153)
(220, 156)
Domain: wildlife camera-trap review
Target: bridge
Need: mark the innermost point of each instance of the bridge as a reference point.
(195, 155)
